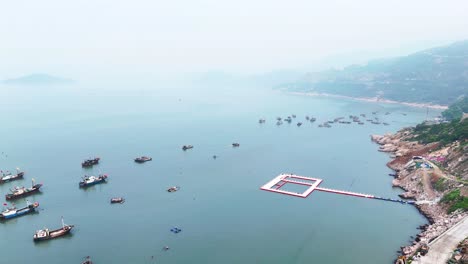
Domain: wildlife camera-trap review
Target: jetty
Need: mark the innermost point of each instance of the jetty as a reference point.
(276, 185)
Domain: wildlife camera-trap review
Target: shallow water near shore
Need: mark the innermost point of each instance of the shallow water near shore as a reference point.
(223, 215)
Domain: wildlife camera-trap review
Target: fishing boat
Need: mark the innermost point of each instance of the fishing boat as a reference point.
(235, 145)
(90, 162)
(92, 180)
(185, 147)
(173, 189)
(120, 200)
(46, 234)
(299, 124)
(261, 121)
(13, 212)
(143, 159)
(6, 177)
(19, 192)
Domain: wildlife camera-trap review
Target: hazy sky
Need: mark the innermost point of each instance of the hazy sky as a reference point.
(87, 36)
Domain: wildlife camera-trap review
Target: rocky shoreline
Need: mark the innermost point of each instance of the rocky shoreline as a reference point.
(416, 173)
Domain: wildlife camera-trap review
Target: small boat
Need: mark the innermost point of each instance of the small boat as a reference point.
(279, 123)
(90, 162)
(6, 177)
(235, 145)
(299, 124)
(307, 118)
(173, 189)
(46, 234)
(13, 212)
(185, 147)
(313, 119)
(176, 230)
(360, 123)
(19, 192)
(120, 200)
(386, 124)
(87, 261)
(293, 116)
(92, 180)
(261, 121)
(143, 159)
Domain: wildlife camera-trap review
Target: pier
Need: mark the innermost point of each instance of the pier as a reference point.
(276, 185)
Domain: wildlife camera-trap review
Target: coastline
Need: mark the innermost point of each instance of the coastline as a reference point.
(417, 182)
(373, 100)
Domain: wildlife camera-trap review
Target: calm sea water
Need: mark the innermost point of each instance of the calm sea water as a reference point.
(223, 215)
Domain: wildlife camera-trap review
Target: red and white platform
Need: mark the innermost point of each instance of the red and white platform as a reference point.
(278, 182)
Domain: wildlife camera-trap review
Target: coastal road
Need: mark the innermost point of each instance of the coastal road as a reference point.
(442, 247)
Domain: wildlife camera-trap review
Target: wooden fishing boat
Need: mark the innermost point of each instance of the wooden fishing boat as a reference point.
(143, 159)
(13, 212)
(46, 234)
(6, 177)
(92, 180)
(19, 192)
(90, 162)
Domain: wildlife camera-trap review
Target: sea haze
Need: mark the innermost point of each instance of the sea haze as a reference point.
(224, 216)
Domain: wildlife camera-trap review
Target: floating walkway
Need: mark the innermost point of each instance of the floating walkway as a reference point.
(276, 184)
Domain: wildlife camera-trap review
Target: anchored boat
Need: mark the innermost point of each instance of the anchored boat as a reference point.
(235, 145)
(46, 234)
(185, 147)
(173, 189)
(120, 200)
(90, 162)
(19, 192)
(92, 180)
(87, 260)
(6, 177)
(13, 212)
(143, 159)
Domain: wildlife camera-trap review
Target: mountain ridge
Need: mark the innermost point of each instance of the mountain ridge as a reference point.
(437, 75)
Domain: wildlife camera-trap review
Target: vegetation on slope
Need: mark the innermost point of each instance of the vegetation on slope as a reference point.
(455, 200)
(444, 133)
(456, 110)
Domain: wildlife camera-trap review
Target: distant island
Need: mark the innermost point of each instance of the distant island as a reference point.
(37, 79)
(436, 76)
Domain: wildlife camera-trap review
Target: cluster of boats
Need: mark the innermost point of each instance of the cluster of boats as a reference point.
(340, 120)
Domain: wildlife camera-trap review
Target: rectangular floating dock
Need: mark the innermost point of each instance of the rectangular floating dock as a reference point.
(281, 180)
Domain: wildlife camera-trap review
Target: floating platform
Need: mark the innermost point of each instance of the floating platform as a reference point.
(281, 180)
